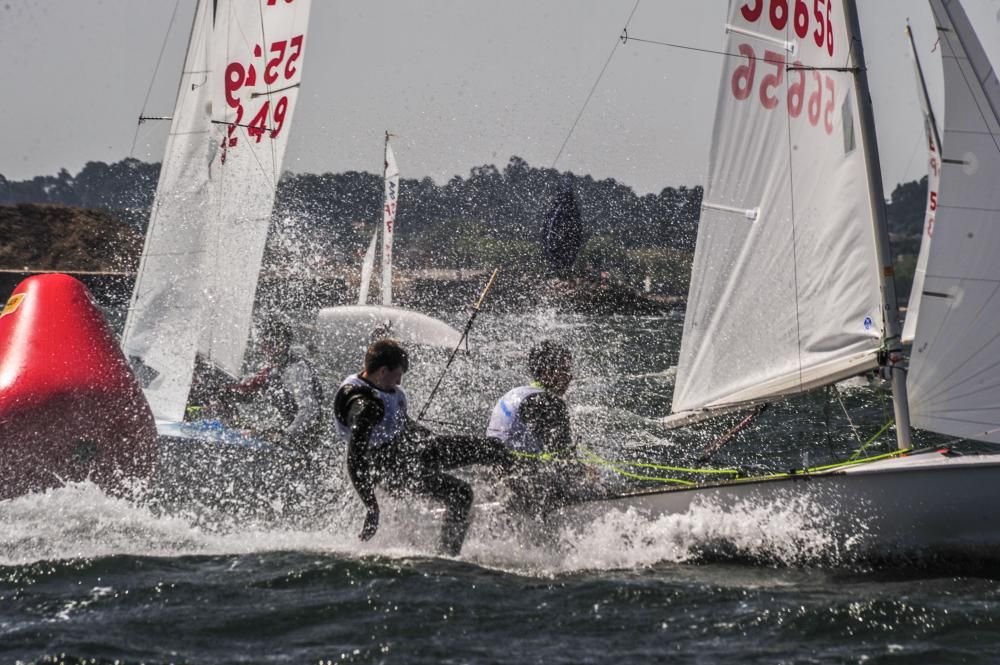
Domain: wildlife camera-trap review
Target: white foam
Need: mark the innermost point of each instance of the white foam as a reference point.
(80, 521)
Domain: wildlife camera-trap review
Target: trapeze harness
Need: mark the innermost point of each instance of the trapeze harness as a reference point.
(507, 425)
(393, 420)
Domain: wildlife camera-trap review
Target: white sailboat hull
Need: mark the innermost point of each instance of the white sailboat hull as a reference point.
(353, 325)
(925, 507)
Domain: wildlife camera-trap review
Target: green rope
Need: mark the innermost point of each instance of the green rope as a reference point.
(639, 476)
(871, 440)
(620, 467)
(660, 467)
(863, 460)
(829, 467)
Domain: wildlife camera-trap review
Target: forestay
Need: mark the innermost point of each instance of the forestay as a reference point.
(784, 293)
(954, 379)
(389, 220)
(201, 260)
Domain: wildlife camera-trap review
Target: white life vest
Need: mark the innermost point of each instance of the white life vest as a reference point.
(506, 423)
(393, 418)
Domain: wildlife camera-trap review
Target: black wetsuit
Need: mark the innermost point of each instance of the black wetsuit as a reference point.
(547, 417)
(414, 460)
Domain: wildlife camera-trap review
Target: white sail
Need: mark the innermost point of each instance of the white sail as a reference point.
(389, 221)
(933, 186)
(784, 293)
(198, 274)
(954, 379)
(367, 267)
(158, 328)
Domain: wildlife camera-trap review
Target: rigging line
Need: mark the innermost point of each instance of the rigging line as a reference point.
(615, 467)
(854, 428)
(684, 47)
(876, 435)
(729, 54)
(152, 80)
(618, 41)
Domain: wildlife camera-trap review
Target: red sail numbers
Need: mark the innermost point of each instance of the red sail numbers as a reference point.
(272, 67)
(802, 19)
(806, 90)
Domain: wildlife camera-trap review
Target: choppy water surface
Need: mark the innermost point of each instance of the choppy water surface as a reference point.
(89, 577)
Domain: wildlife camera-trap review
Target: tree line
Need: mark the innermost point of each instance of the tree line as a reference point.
(489, 217)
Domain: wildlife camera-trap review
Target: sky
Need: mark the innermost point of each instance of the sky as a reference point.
(461, 83)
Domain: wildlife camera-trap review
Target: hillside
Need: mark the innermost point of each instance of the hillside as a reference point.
(61, 237)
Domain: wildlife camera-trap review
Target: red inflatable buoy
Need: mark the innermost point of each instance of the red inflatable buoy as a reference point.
(70, 407)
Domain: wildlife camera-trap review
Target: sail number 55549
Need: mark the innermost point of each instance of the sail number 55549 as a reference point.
(778, 13)
(821, 89)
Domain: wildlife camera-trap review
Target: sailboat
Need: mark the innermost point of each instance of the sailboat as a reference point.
(347, 330)
(197, 278)
(792, 286)
(70, 406)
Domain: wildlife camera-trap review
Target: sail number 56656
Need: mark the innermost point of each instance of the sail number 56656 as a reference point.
(817, 85)
(778, 12)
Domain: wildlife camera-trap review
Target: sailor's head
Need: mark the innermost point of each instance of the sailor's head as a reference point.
(385, 363)
(551, 364)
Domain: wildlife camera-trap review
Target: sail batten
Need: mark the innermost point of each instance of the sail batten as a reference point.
(784, 294)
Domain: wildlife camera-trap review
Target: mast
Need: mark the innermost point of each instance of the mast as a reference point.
(923, 86)
(890, 313)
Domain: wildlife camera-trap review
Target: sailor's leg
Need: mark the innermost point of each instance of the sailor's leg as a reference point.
(450, 452)
(456, 495)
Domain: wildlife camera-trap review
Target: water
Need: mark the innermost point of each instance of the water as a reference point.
(86, 577)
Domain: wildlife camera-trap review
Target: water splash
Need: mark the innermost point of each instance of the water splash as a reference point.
(793, 532)
(79, 521)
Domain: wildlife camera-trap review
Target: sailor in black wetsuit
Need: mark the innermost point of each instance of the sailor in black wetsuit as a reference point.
(533, 422)
(386, 448)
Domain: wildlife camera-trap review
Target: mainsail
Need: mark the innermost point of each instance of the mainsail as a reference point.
(954, 379)
(198, 274)
(388, 220)
(784, 293)
(367, 267)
